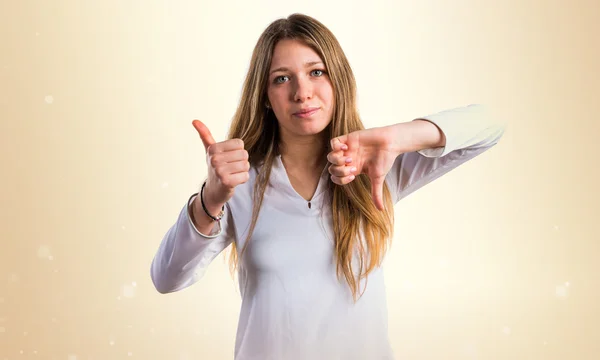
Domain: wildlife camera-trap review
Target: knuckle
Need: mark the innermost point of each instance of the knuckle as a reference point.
(227, 182)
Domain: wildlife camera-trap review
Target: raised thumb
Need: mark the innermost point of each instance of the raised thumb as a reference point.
(205, 135)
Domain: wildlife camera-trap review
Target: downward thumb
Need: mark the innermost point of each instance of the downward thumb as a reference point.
(205, 135)
(377, 191)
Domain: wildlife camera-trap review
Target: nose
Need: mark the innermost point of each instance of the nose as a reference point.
(303, 89)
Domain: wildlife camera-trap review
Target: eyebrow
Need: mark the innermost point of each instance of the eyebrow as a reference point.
(307, 64)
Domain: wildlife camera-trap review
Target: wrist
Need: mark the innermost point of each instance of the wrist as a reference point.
(401, 141)
(208, 208)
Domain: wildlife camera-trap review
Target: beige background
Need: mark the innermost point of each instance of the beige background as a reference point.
(496, 260)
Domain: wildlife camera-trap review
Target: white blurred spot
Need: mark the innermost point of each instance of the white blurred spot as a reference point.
(49, 99)
(165, 185)
(118, 298)
(50, 257)
(128, 291)
(24, 333)
(130, 354)
(21, 351)
(1, 300)
(14, 277)
(122, 227)
(506, 330)
(2, 329)
(545, 343)
(567, 284)
(555, 227)
(134, 284)
(53, 320)
(561, 291)
(55, 270)
(72, 357)
(152, 330)
(43, 252)
(111, 343)
(34, 352)
(37, 34)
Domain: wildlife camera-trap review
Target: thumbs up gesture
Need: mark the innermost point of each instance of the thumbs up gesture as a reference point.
(371, 152)
(228, 166)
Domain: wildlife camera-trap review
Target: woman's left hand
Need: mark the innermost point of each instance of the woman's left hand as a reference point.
(370, 151)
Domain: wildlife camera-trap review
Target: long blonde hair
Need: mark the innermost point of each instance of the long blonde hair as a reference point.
(357, 223)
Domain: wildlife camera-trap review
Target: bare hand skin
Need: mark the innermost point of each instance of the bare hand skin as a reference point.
(228, 167)
(373, 152)
(369, 152)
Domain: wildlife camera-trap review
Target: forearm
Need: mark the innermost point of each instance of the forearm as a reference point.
(183, 255)
(416, 135)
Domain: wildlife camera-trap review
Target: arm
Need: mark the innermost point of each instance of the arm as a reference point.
(438, 143)
(184, 253)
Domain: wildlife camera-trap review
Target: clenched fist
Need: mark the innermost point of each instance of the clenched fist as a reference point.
(228, 167)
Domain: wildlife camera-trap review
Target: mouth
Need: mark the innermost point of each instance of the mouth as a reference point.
(304, 113)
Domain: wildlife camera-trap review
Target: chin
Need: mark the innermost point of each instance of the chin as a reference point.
(311, 129)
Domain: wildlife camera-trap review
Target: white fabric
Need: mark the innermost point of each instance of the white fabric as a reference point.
(293, 306)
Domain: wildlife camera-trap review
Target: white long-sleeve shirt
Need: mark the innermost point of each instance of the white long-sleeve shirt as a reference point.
(293, 306)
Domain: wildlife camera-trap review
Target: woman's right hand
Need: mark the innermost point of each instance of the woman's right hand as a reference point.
(227, 164)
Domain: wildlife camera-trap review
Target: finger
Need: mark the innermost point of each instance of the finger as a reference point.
(377, 191)
(339, 143)
(234, 180)
(342, 171)
(230, 145)
(352, 141)
(342, 180)
(338, 158)
(230, 156)
(234, 168)
(205, 135)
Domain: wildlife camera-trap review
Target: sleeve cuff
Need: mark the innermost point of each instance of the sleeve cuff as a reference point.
(216, 231)
(459, 125)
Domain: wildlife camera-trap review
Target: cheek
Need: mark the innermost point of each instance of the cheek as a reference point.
(328, 95)
(276, 97)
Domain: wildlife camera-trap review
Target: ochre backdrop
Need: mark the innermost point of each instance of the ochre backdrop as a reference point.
(496, 260)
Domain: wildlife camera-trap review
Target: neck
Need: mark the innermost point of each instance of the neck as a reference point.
(304, 152)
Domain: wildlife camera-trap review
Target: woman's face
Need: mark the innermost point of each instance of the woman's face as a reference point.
(299, 91)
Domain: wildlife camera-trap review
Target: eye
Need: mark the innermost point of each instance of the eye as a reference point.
(280, 79)
(318, 72)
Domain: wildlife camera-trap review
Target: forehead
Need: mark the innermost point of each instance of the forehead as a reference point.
(293, 53)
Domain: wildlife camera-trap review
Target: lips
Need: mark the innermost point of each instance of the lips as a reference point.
(306, 112)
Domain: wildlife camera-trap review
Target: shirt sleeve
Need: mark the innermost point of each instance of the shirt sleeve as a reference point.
(469, 131)
(184, 255)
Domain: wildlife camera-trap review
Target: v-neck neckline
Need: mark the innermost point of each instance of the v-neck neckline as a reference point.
(282, 173)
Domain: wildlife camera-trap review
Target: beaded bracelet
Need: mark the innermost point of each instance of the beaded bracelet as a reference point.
(219, 215)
